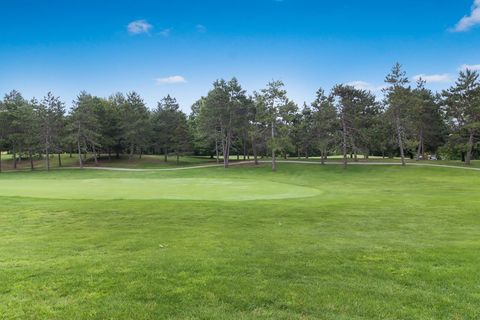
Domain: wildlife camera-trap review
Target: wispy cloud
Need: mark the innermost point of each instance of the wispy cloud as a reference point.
(139, 27)
(165, 32)
(201, 28)
(473, 67)
(434, 78)
(469, 21)
(170, 80)
(363, 85)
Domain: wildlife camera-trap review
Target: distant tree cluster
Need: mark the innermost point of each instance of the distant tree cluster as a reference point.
(410, 121)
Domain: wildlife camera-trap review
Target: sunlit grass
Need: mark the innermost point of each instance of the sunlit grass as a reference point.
(375, 242)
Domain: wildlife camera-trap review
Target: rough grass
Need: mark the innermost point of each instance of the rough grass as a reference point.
(158, 161)
(376, 242)
(143, 162)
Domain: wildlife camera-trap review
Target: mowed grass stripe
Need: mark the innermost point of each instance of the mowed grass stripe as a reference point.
(149, 189)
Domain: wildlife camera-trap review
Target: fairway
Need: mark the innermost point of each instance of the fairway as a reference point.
(149, 189)
(305, 242)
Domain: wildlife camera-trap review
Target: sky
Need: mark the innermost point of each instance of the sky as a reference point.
(181, 47)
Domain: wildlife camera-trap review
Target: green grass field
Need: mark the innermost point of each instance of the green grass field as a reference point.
(145, 162)
(306, 242)
(157, 161)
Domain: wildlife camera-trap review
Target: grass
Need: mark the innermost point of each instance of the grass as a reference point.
(371, 242)
(154, 189)
(145, 162)
(158, 162)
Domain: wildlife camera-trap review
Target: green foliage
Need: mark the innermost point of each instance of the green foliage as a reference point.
(407, 122)
(170, 127)
(222, 115)
(462, 105)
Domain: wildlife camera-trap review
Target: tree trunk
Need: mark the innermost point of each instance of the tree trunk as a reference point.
(423, 147)
(132, 148)
(94, 155)
(322, 157)
(244, 148)
(226, 149)
(399, 136)
(354, 149)
(254, 149)
(165, 154)
(178, 158)
(59, 160)
(30, 157)
(47, 159)
(0, 160)
(217, 155)
(420, 150)
(14, 158)
(468, 158)
(80, 161)
(344, 126)
(274, 160)
(226, 155)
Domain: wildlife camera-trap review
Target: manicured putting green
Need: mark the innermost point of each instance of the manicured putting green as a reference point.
(149, 189)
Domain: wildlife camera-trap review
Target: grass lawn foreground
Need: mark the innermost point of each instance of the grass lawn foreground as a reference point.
(306, 242)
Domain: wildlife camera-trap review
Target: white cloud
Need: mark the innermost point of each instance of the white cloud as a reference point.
(139, 27)
(201, 28)
(433, 78)
(165, 32)
(469, 21)
(473, 67)
(170, 80)
(363, 85)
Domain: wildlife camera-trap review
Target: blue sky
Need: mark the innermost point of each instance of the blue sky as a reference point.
(180, 47)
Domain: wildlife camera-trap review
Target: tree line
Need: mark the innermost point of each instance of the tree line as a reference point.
(409, 121)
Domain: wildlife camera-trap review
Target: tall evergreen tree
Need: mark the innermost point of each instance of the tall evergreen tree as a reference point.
(276, 109)
(426, 120)
(135, 123)
(164, 123)
(15, 110)
(462, 103)
(51, 112)
(220, 113)
(85, 126)
(397, 95)
(325, 122)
